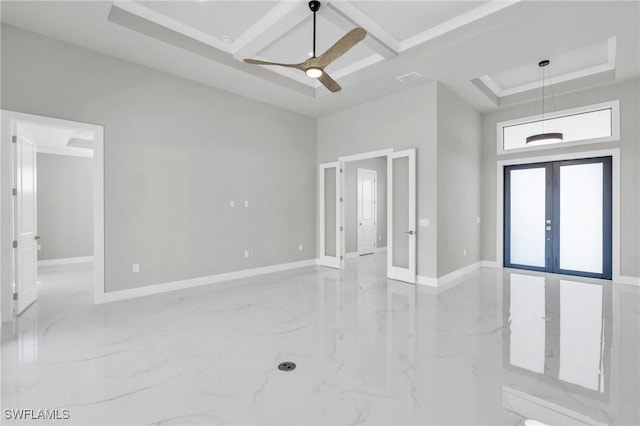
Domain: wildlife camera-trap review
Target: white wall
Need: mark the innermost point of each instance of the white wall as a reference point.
(65, 206)
(176, 153)
(629, 95)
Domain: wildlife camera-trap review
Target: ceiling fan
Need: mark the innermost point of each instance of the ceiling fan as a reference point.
(314, 66)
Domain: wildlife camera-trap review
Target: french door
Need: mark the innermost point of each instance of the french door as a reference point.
(557, 217)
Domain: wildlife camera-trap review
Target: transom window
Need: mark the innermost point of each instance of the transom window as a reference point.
(588, 124)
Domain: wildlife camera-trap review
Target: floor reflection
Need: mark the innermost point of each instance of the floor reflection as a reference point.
(565, 350)
(496, 347)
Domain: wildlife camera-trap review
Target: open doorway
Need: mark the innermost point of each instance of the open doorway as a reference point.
(57, 210)
(365, 199)
(400, 213)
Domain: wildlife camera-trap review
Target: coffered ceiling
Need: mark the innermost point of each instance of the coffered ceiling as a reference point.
(486, 51)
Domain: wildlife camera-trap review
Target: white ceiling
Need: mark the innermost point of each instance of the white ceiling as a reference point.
(486, 51)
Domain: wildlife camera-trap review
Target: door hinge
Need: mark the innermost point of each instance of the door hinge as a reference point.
(341, 257)
(341, 170)
(14, 191)
(15, 244)
(14, 139)
(341, 228)
(15, 296)
(341, 199)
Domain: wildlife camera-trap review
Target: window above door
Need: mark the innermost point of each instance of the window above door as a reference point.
(582, 125)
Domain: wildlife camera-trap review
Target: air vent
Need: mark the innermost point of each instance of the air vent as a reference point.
(405, 78)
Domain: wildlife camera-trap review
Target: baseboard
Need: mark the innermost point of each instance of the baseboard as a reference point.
(149, 290)
(430, 282)
(440, 281)
(489, 264)
(381, 249)
(65, 261)
(621, 279)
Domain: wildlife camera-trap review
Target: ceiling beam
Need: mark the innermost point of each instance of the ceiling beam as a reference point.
(345, 15)
(282, 18)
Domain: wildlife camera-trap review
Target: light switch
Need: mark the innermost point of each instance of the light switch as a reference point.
(246, 253)
(478, 219)
(136, 267)
(246, 203)
(232, 203)
(424, 223)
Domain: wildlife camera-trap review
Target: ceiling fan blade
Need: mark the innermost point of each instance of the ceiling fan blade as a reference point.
(258, 62)
(341, 47)
(329, 83)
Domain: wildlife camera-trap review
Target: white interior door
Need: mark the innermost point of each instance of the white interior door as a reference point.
(25, 220)
(401, 216)
(329, 202)
(366, 207)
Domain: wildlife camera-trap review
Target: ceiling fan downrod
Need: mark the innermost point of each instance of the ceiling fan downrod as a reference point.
(314, 5)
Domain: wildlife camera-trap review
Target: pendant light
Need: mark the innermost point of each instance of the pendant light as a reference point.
(542, 136)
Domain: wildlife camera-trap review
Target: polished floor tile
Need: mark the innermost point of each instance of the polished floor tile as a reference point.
(498, 347)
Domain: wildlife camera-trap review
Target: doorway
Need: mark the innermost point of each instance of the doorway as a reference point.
(558, 217)
(400, 212)
(69, 157)
(366, 210)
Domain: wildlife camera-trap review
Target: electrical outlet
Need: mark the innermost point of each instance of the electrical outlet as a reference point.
(136, 267)
(232, 203)
(246, 203)
(39, 247)
(478, 219)
(464, 252)
(246, 253)
(379, 237)
(300, 247)
(424, 223)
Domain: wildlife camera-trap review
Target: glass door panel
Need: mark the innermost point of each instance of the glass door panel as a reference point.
(329, 237)
(527, 202)
(581, 199)
(401, 221)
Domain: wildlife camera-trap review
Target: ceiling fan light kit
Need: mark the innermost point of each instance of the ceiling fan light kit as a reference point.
(314, 66)
(549, 137)
(313, 72)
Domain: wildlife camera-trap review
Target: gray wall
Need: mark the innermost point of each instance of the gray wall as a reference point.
(446, 133)
(459, 177)
(629, 95)
(401, 121)
(176, 153)
(351, 201)
(65, 206)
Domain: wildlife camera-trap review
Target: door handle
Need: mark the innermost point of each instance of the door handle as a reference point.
(37, 237)
(409, 232)
(548, 228)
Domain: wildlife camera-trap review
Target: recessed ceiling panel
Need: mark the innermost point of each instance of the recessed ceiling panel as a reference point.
(404, 19)
(297, 45)
(561, 64)
(217, 18)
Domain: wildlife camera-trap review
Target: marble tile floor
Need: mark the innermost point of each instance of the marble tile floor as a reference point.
(499, 347)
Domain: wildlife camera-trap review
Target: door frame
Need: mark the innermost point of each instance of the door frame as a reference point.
(614, 153)
(375, 209)
(8, 120)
